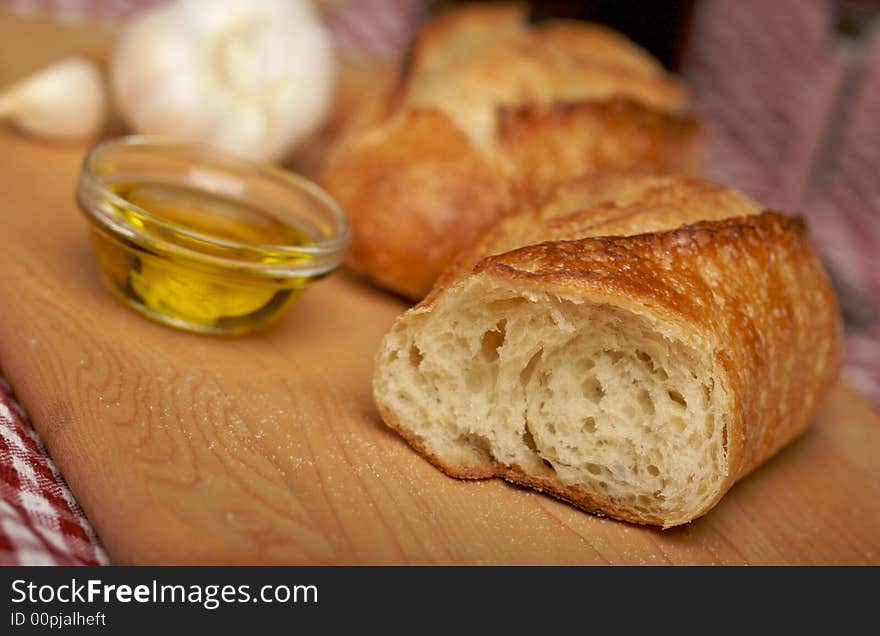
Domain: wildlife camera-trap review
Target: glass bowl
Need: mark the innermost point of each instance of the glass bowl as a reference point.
(202, 240)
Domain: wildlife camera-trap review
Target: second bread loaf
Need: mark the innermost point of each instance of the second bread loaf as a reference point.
(487, 112)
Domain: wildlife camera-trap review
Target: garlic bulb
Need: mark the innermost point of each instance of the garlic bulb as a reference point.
(252, 76)
(65, 101)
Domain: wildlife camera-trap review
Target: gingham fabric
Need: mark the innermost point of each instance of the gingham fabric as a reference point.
(791, 116)
(77, 11)
(40, 522)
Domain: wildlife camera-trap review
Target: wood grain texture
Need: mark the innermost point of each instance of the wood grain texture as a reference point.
(267, 448)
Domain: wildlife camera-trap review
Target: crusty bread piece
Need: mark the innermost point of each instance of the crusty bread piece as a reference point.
(630, 359)
(487, 112)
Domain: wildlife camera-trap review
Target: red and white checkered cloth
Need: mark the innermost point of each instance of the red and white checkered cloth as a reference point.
(40, 521)
(769, 87)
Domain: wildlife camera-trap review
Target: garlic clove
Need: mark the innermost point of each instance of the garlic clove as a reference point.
(66, 101)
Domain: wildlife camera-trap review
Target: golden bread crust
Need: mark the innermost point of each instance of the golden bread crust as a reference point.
(487, 113)
(599, 206)
(421, 179)
(747, 288)
(563, 140)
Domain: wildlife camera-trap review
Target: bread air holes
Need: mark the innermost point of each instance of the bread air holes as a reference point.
(593, 389)
(505, 304)
(707, 395)
(529, 440)
(415, 355)
(644, 357)
(614, 356)
(526, 374)
(677, 398)
(590, 425)
(477, 442)
(596, 469)
(651, 365)
(646, 402)
(492, 341)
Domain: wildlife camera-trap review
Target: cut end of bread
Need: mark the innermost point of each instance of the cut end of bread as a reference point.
(635, 357)
(624, 417)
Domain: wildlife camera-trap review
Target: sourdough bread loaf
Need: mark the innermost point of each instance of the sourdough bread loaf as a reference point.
(633, 346)
(486, 112)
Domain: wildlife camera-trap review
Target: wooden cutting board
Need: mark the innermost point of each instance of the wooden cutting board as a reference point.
(267, 449)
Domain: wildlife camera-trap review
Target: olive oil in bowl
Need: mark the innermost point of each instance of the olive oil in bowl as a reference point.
(206, 250)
